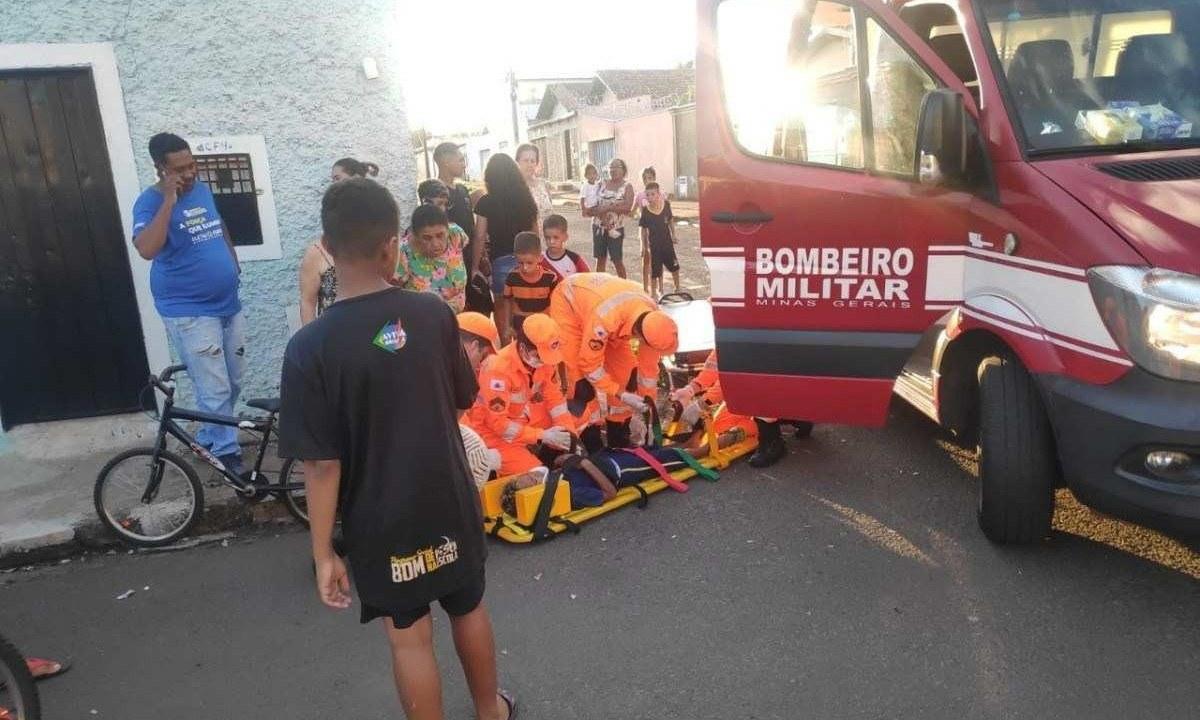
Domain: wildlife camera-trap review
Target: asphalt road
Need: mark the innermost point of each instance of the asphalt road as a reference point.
(848, 582)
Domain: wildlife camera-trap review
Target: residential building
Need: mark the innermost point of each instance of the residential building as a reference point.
(269, 106)
(636, 115)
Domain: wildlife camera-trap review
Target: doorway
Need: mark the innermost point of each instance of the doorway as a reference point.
(72, 343)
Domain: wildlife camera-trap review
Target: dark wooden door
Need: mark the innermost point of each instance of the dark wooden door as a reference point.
(71, 340)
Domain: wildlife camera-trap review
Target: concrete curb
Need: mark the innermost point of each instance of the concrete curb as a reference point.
(57, 540)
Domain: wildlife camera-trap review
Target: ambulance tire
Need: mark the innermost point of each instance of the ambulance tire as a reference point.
(1018, 466)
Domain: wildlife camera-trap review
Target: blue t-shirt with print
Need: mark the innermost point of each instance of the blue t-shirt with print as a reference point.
(193, 274)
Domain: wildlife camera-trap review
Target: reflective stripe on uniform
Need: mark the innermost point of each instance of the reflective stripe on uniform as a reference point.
(511, 432)
(648, 382)
(596, 375)
(610, 304)
(517, 398)
(558, 410)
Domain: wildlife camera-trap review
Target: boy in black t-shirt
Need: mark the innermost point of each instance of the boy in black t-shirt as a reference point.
(371, 392)
(658, 231)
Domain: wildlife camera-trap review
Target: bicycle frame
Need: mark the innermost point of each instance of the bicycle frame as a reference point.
(168, 426)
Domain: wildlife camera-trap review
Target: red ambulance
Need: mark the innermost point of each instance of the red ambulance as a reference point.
(990, 208)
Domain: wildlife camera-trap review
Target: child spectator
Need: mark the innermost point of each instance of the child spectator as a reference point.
(589, 194)
(649, 175)
(434, 192)
(528, 287)
(658, 233)
(431, 257)
(558, 259)
(392, 457)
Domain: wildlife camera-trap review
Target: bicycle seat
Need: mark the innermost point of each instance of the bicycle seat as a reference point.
(270, 405)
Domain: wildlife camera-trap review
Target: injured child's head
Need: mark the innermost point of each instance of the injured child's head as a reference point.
(508, 496)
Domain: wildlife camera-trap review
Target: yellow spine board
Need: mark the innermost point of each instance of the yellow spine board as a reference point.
(513, 532)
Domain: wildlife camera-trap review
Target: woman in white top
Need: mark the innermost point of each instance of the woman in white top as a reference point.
(529, 159)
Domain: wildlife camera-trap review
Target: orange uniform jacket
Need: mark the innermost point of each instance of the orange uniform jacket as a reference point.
(708, 381)
(595, 313)
(510, 395)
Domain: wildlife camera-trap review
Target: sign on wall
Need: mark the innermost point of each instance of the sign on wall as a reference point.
(235, 169)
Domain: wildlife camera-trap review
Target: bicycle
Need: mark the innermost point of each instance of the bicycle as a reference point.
(18, 695)
(150, 496)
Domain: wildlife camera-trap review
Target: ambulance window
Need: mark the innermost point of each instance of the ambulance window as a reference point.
(898, 86)
(791, 80)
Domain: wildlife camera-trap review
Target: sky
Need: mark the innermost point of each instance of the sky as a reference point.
(466, 89)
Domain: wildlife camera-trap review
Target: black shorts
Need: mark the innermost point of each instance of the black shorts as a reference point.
(662, 255)
(456, 604)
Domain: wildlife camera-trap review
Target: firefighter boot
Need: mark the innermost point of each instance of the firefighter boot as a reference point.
(770, 445)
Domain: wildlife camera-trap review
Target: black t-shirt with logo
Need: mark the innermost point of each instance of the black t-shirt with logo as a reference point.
(376, 382)
(460, 212)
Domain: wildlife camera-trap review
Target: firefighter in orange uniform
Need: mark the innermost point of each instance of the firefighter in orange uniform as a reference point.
(706, 388)
(516, 386)
(479, 337)
(599, 315)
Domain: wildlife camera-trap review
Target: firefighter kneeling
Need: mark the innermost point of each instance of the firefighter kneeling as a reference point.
(599, 316)
(520, 403)
(704, 391)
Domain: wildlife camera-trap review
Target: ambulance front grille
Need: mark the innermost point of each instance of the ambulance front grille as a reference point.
(1154, 170)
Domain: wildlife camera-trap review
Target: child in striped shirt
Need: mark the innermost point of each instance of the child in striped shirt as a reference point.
(529, 286)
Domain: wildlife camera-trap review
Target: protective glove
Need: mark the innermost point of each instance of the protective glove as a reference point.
(633, 402)
(556, 437)
(637, 431)
(691, 414)
(684, 395)
(602, 400)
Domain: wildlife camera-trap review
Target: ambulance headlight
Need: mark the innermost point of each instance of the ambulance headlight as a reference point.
(1154, 315)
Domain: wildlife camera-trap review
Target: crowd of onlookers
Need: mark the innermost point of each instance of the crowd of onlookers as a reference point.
(470, 248)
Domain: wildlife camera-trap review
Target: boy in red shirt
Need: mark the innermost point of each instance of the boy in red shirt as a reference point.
(558, 259)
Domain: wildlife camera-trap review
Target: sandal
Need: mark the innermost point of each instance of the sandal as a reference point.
(41, 668)
(511, 702)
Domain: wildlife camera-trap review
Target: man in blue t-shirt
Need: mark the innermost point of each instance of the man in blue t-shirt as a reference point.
(194, 280)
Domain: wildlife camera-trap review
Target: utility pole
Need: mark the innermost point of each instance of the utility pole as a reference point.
(512, 94)
(425, 150)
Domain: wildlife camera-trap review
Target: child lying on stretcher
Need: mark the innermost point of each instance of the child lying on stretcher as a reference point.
(596, 479)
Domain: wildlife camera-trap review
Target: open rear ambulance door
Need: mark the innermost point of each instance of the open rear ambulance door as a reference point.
(813, 225)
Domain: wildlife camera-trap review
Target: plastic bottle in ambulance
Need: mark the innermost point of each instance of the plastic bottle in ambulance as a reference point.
(988, 207)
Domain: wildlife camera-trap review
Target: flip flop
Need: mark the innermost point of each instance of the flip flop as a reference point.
(42, 669)
(511, 702)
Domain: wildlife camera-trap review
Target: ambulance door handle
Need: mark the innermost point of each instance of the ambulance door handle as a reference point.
(742, 218)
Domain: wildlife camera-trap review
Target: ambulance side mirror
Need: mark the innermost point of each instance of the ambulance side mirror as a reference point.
(942, 139)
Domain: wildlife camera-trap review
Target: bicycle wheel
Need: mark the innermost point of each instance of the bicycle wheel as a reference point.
(175, 506)
(18, 695)
(292, 473)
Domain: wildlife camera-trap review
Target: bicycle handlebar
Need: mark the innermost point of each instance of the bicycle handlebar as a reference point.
(166, 374)
(164, 377)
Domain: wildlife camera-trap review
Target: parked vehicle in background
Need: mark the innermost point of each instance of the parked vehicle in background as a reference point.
(987, 207)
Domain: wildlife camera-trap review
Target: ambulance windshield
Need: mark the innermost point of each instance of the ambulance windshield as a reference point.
(1119, 74)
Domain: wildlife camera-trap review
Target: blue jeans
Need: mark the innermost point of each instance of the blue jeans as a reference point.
(501, 267)
(213, 348)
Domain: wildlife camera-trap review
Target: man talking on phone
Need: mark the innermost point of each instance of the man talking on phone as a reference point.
(194, 280)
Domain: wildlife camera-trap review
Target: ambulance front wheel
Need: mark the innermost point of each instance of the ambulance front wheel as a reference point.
(1018, 466)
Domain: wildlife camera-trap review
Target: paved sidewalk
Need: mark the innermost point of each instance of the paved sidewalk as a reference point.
(46, 508)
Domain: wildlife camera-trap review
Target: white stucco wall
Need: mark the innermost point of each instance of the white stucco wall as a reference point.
(291, 72)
